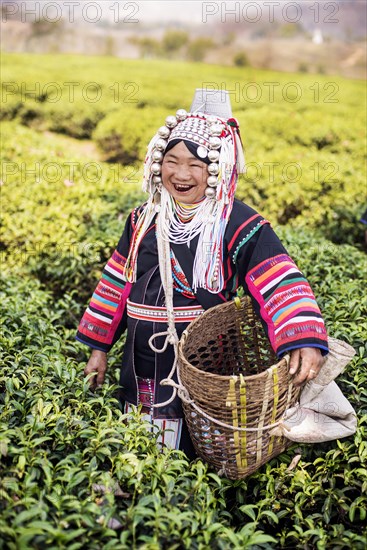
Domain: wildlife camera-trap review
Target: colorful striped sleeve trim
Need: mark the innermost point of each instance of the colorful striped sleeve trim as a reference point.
(100, 321)
(287, 304)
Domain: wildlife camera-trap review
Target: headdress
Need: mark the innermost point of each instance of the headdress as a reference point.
(209, 126)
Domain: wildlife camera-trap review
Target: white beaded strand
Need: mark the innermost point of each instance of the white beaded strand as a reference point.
(208, 219)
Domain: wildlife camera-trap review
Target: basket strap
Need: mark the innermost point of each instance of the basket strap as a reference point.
(275, 403)
(171, 333)
(262, 415)
(185, 397)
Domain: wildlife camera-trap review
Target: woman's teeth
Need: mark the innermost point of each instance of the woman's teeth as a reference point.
(183, 188)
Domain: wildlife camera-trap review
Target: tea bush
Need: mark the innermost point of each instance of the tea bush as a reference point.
(303, 134)
(74, 223)
(75, 471)
(123, 136)
(60, 443)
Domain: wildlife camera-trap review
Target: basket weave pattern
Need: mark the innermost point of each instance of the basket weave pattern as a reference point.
(230, 372)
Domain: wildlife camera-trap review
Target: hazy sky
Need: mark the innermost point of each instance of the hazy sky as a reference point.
(186, 10)
(309, 13)
(207, 11)
(165, 10)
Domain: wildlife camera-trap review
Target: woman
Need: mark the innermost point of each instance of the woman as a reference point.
(188, 248)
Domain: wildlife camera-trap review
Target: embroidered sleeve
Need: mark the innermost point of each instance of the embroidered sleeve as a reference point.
(281, 294)
(105, 318)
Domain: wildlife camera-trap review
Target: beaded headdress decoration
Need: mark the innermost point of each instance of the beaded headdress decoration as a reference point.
(211, 127)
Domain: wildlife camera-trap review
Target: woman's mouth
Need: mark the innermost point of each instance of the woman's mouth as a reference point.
(181, 188)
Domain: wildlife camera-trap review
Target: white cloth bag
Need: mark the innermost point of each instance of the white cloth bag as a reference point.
(323, 412)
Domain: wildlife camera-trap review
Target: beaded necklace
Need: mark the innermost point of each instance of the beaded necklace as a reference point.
(185, 212)
(178, 230)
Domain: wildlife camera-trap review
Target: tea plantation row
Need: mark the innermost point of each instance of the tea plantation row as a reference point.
(60, 443)
(303, 135)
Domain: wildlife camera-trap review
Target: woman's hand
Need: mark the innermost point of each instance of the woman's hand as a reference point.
(306, 364)
(97, 364)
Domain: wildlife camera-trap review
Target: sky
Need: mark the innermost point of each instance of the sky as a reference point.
(202, 11)
(327, 14)
(165, 10)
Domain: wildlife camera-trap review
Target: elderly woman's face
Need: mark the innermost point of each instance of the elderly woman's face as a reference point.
(183, 175)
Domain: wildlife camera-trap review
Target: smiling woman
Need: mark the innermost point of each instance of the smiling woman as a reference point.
(184, 175)
(187, 249)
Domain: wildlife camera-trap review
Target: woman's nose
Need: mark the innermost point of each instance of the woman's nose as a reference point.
(183, 173)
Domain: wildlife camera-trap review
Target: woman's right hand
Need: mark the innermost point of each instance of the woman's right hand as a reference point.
(97, 364)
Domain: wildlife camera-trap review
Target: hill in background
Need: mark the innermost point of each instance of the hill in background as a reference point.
(322, 37)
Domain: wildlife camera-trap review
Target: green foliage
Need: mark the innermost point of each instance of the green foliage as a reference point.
(60, 227)
(198, 48)
(123, 136)
(303, 134)
(290, 30)
(61, 444)
(303, 67)
(75, 471)
(148, 47)
(173, 41)
(241, 60)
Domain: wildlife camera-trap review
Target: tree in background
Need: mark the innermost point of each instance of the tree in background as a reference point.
(148, 47)
(42, 27)
(241, 60)
(198, 48)
(291, 30)
(109, 45)
(173, 41)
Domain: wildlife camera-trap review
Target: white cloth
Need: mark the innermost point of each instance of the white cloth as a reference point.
(323, 412)
(169, 430)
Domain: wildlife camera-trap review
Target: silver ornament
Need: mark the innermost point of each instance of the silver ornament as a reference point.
(210, 193)
(156, 168)
(181, 114)
(213, 169)
(211, 119)
(157, 156)
(164, 132)
(212, 181)
(215, 129)
(214, 142)
(157, 180)
(171, 121)
(161, 144)
(213, 155)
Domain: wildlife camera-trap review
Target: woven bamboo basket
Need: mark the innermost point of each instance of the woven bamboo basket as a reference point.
(236, 391)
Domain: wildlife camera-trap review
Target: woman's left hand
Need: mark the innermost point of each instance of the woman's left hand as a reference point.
(306, 364)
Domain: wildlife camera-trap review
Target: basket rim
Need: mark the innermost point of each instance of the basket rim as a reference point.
(198, 319)
(224, 377)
